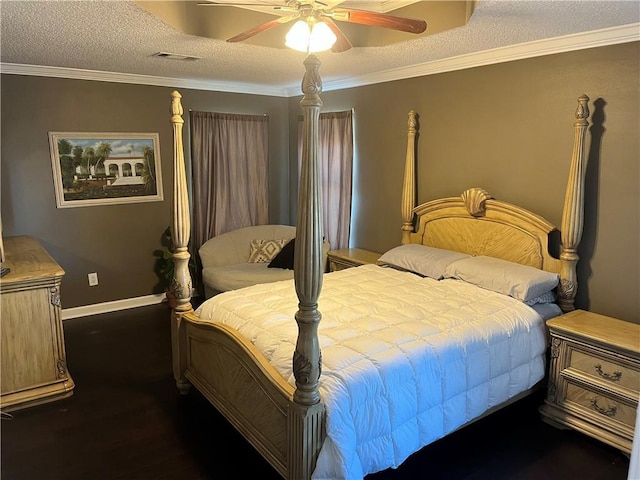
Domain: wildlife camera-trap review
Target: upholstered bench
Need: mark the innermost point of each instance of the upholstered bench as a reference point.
(242, 257)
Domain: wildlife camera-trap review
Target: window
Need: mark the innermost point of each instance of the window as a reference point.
(230, 154)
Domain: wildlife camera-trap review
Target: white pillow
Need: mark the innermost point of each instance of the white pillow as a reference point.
(427, 261)
(518, 281)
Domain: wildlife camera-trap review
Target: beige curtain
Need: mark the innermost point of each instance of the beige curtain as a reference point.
(335, 140)
(229, 155)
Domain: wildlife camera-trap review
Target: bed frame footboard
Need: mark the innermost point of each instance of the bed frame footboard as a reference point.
(250, 394)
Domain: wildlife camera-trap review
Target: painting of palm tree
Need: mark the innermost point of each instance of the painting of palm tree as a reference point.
(105, 168)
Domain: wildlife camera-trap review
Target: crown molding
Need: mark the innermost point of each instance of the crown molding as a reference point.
(580, 41)
(96, 75)
(538, 48)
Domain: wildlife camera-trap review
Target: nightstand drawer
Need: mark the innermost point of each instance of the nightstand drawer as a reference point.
(607, 370)
(335, 265)
(603, 407)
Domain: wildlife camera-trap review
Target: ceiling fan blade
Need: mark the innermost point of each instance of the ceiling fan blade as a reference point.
(410, 25)
(342, 43)
(261, 28)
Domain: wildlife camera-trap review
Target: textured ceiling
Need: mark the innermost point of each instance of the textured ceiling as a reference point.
(120, 37)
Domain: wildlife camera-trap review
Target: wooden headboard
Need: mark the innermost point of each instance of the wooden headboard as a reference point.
(477, 224)
(473, 223)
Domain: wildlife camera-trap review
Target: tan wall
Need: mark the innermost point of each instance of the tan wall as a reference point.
(116, 241)
(509, 129)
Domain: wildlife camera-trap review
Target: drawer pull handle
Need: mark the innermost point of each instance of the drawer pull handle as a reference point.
(609, 412)
(614, 377)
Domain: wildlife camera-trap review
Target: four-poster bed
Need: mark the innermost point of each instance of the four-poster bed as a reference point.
(278, 390)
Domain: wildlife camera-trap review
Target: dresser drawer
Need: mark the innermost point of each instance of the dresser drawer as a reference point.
(609, 371)
(603, 407)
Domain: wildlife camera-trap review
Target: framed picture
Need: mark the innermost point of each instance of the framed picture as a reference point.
(105, 168)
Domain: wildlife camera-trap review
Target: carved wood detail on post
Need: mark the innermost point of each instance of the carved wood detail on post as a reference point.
(308, 264)
(573, 211)
(181, 285)
(409, 184)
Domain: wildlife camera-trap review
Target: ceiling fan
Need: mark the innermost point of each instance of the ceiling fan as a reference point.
(314, 12)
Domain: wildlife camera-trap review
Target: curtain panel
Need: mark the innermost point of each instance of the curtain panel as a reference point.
(230, 154)
(335, 140)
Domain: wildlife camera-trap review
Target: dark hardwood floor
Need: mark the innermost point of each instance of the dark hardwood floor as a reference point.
(126, 420)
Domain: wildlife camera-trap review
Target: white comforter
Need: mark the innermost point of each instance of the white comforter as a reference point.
(406, 360)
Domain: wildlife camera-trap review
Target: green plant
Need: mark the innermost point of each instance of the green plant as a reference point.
(164, 266)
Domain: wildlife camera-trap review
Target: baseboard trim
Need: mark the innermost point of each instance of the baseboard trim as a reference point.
(108, 307)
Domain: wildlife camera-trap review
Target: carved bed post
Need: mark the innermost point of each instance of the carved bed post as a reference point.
(409, 185)
(306, 420)
(180, 229)
(308, 253)
(573, 211)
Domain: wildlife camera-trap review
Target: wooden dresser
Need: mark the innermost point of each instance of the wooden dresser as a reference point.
(594, 378)
(34, 367)
(350, 257)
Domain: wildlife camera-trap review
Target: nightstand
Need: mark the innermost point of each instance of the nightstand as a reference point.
(594, 377)
(350, 257)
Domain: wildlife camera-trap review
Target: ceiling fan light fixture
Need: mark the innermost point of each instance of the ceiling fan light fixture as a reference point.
(298, 36)
(305, 39)
(322, 38)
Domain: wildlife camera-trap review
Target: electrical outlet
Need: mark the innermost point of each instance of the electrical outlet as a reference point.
(93, 279)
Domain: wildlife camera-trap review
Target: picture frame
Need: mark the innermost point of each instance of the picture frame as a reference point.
(105, 168)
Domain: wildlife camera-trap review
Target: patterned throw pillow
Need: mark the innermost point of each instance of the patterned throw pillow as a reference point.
(263, 251)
